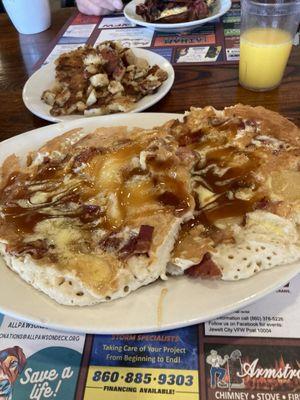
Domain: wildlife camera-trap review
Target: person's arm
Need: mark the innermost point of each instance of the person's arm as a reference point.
(208, 360)
(99, 7)
(222, 361)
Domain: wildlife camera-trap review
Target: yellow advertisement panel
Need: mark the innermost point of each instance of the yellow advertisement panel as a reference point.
(121, 383)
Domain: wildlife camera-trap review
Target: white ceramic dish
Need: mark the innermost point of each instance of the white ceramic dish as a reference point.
(44, 79)
(220, 8)
(187, 301)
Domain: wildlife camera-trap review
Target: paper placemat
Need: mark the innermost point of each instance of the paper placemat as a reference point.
(251, 354)
(213, 43)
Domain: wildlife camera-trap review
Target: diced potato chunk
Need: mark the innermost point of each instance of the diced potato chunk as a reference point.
(99, 80)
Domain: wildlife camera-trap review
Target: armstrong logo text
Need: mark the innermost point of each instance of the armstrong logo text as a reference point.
(254, 371)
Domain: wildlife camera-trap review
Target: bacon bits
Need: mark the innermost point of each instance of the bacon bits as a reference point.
(190, 137)
(205, 269)
(139, 244)
(89, 213)
(86, 155)
(111, 243)
(171, 199)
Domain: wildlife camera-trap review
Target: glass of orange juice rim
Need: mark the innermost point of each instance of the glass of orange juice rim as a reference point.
(267, 32)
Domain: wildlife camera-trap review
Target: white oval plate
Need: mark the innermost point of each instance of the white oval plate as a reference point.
(220, 8)
(44, 79)
(187, 301)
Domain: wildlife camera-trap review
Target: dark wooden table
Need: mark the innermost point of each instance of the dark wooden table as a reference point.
(194, 85)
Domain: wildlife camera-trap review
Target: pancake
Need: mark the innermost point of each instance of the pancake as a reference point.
(246, 184)
(89, 219)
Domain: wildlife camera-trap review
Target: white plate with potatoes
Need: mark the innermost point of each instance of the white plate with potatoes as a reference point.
(44, 78)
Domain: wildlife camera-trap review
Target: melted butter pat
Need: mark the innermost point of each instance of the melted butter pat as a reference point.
(107, 169)
(95, 271)
(59, 232)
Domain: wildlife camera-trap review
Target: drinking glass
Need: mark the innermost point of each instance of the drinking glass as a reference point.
(267, 32)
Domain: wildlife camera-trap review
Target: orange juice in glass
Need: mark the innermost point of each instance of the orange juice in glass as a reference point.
(267, 31)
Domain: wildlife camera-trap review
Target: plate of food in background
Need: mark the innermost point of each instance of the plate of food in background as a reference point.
(175, 16)
(93, 81)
